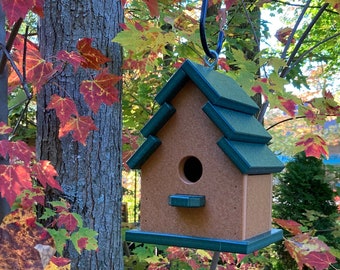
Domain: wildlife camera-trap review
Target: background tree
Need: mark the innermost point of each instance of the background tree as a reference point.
(304, 194)
(90, 175)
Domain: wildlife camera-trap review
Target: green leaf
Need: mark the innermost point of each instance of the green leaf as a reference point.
(84, 238)
(60, 238)
(48, 212)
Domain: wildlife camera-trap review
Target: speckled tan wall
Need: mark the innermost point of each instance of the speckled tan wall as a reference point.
(258, 204)
(190, 132)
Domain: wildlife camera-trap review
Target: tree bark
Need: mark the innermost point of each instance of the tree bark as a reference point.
(90, 175)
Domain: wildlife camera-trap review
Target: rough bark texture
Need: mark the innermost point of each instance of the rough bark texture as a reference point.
(4, 207)
(90, 175)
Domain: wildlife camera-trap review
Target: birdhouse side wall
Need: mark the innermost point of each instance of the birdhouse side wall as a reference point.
(190, 133)
(258, 204)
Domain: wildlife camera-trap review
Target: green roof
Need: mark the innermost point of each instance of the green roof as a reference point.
(244, 139)
(220, 89)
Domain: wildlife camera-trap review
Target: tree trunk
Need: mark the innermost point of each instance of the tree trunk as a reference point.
(4, 207)
(90, 175)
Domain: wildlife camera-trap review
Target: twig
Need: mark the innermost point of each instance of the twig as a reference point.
(23, 83)
(309, 51)
(9, 44)
(290, 38)
(303, 37)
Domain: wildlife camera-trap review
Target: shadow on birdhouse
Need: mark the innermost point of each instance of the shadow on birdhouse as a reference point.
(205, 167)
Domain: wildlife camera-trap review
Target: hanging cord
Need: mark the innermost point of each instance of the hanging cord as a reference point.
(209, 53)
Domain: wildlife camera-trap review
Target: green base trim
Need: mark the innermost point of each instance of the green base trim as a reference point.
(235, 246)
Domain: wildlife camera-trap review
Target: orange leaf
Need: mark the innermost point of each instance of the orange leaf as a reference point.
(79, 126)
(93, 58)
(38, 71)
(13, 180)
(64, 107)
(45, 173)
(100, 90)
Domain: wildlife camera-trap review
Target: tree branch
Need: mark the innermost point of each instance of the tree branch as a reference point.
(9, 44)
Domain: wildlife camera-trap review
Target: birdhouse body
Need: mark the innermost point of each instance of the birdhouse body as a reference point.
(231, 197)
(202, 173)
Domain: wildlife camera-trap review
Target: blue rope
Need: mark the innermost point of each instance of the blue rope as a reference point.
(210, 53)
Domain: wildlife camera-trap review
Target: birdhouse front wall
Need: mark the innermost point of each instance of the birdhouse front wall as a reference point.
(237, 206)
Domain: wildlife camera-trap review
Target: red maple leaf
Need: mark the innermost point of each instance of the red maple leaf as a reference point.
(288, 105)
(67, 220)
(18, 151)
(80, 127)
(64, 107)
(13, 180)
(319, 260)
(38, 71)
(313, 145)
(289, 225)
(33, 196)
(4, 129)
(92, 58)
(60, 261)
(16, 9)
(44, 171)
(153, 7)
(74, 58)
(100, 90)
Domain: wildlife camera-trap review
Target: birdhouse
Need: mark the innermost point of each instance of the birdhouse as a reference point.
(206, 169)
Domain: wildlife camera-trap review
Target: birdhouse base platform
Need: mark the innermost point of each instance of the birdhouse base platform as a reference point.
(235, 246)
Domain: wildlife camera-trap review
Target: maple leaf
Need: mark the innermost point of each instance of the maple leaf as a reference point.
(84, 233)
(61, 262)
(44, 171)
(60, 238)
(319, 260)
(30, 197)
(64, 107)
(4, 129)
(17, 151)
(100, 90)
(313, 145)
(153, 7)
(288, 105)
(13, 180)
(92, 58)
(74, 58)
(38, 71)
(68, 220)
(289, 225)
(16, 9)
(79, 126)
(18, 238)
